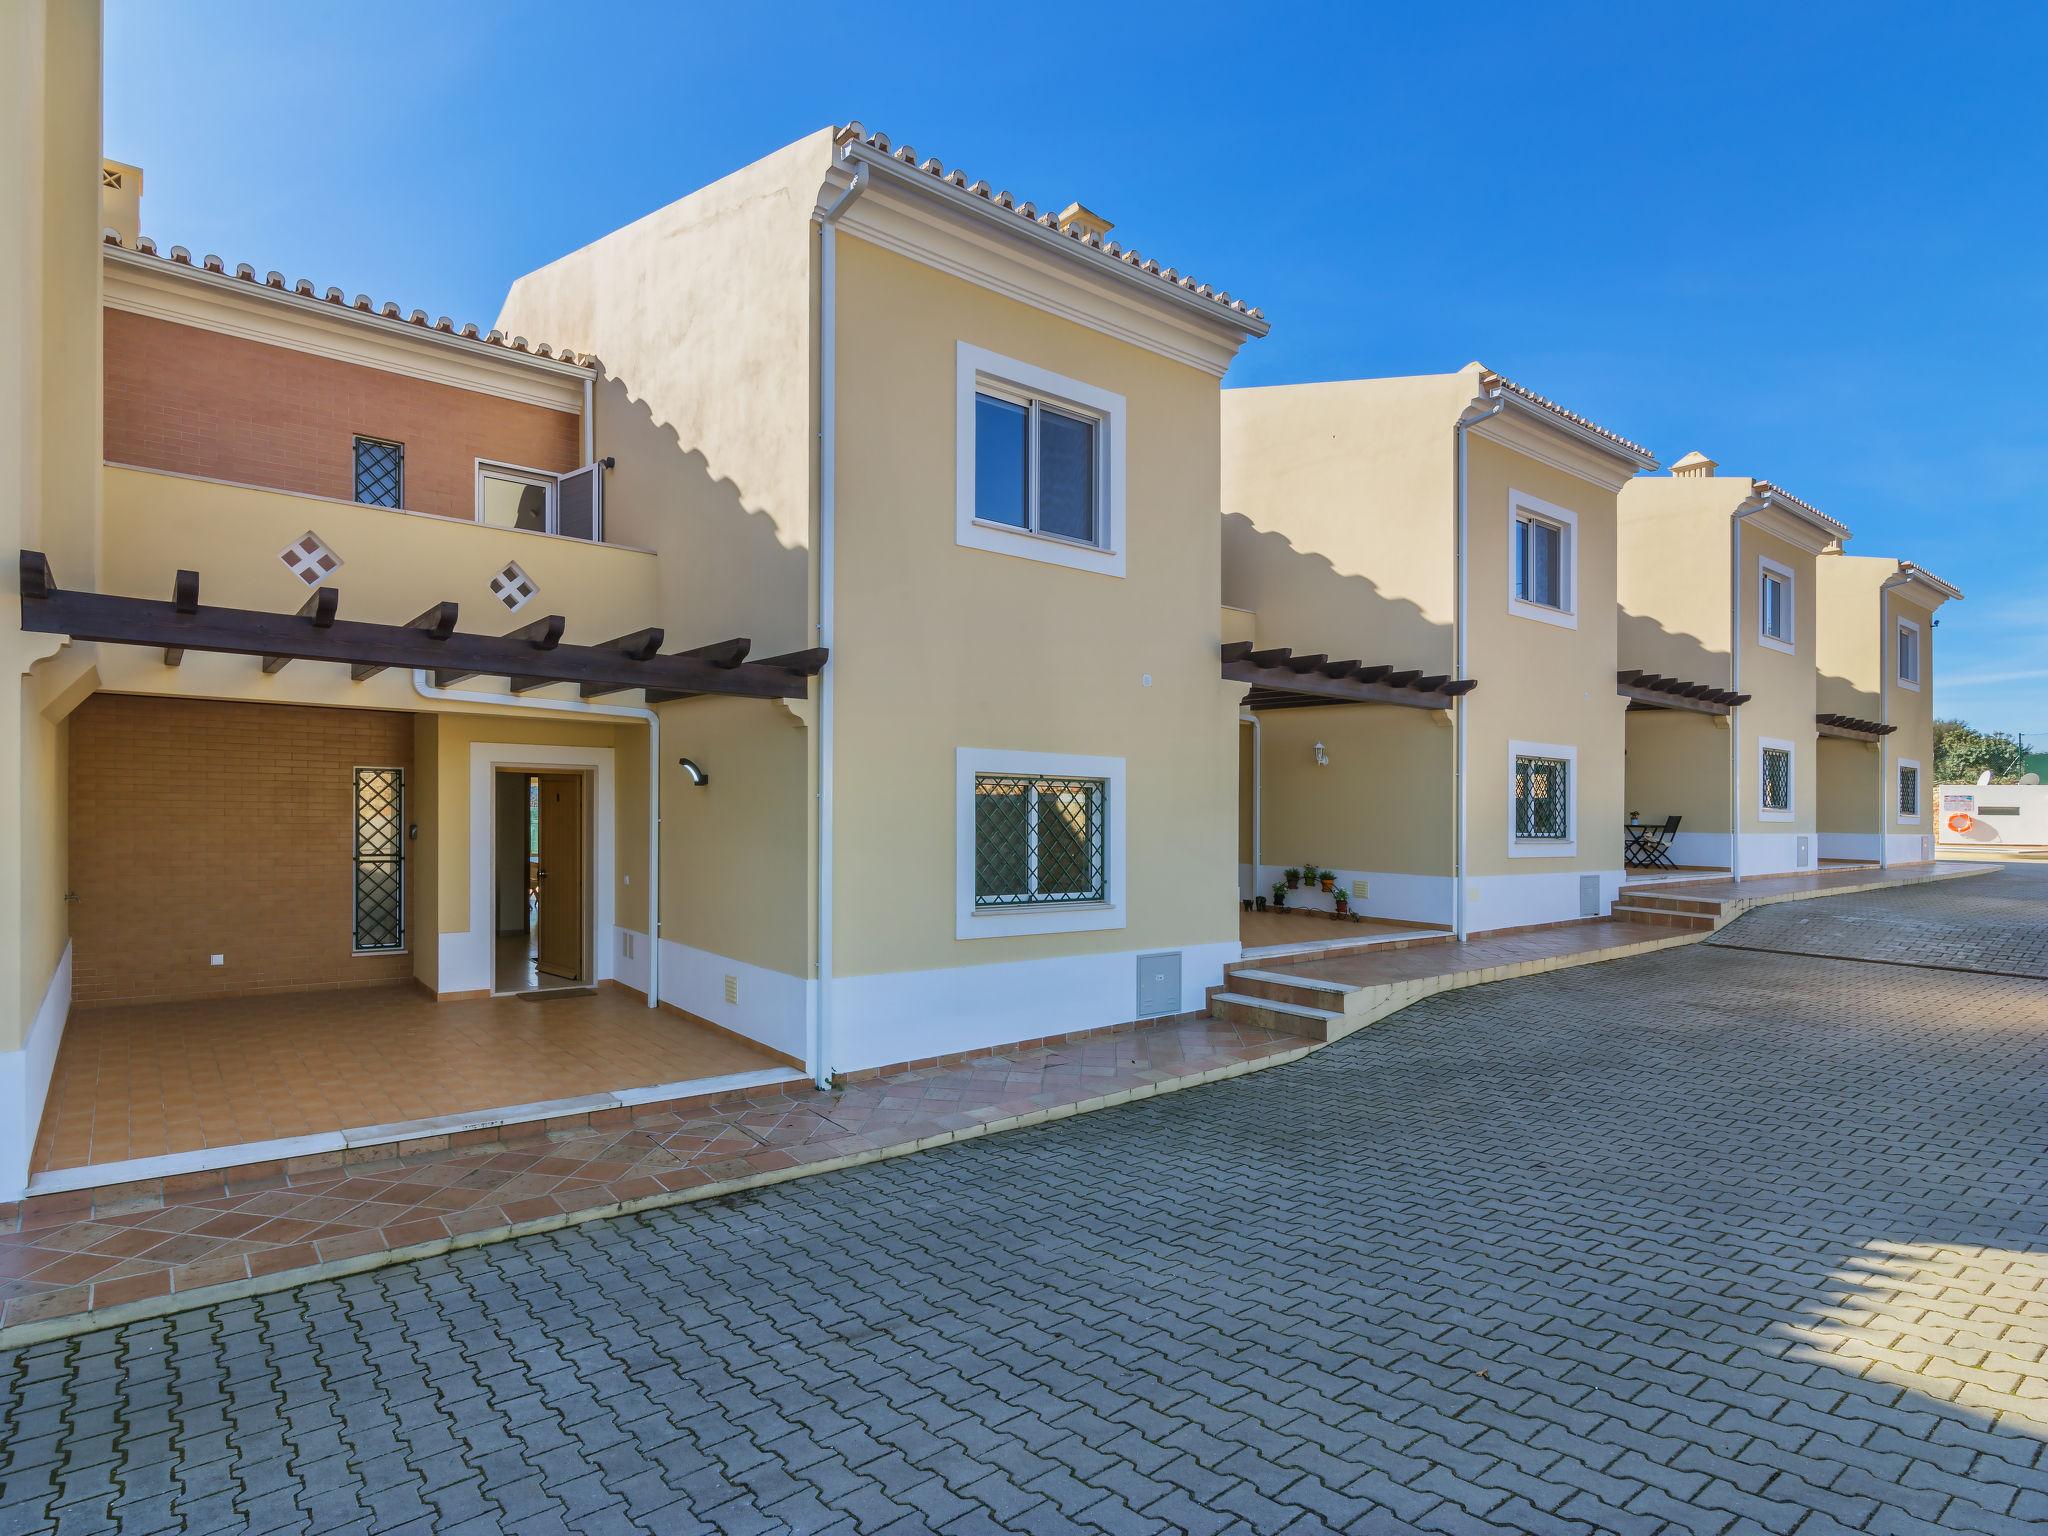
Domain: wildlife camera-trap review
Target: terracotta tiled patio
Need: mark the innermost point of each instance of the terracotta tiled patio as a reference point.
(145, 1079)
(67, 1255)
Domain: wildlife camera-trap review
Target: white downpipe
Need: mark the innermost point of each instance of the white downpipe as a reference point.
(1246, 717)
(1459, 925)
(589, 420)
(1887, 669)
(427, 690)
(1735, 645)
(828, 510)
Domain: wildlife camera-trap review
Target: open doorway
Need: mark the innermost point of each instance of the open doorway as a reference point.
(542, 882)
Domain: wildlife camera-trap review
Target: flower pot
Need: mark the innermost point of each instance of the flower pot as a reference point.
(1261, 901)
(1293, 881)
(1329, 882)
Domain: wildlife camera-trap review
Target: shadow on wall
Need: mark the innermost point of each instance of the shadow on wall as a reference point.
(1644, 642)
(1304, 601)
(726, 569)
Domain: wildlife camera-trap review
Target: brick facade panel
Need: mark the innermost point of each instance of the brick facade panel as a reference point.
(202, 827)
(199, 403)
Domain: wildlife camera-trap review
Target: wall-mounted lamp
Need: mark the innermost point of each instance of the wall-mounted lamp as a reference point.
(697, 775)
(1322, 756)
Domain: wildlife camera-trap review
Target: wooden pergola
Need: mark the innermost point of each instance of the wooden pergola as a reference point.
(1849, 728)
(1282, 680)
(531, 656)
(1647, 690)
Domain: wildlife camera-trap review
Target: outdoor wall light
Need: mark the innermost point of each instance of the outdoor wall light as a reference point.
(697, 775)
(1322, 756)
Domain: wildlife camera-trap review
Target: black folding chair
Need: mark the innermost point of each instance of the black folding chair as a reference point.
(1657, 843)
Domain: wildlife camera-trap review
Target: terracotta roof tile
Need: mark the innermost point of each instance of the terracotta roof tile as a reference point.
(304, 289)
(1779, 493)
(855, 132)
(1522, 391)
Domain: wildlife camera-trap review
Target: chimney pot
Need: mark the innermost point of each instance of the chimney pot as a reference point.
(1078, 220)
(1695, 466)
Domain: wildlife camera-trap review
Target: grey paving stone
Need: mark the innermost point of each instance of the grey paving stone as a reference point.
(1722, 1239)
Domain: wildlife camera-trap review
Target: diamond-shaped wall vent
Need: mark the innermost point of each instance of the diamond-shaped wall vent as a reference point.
(513, 587)
(308, 558)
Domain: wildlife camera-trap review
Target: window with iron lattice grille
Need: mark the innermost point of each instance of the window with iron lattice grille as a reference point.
(380, 860)
(380, 472)
(1909, 791)
(1542, 799)
(1777, 772)
(1039, 841)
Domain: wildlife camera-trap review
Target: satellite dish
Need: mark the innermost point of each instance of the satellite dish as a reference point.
(1984, 777)
(2030, 778)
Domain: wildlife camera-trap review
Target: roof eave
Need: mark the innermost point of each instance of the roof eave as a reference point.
(1037, 236)
(1558, 420)
(386, 325)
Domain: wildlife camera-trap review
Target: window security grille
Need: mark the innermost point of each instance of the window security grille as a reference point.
(380, 859)
(1909, 793)
(1039, 841)
(1542, 799)
(380, 472)
(1777, 779)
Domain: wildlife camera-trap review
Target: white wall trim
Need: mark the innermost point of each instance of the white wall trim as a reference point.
(253, 311)
(1919, 790)
(972, 922)
(469, 960)
(975, 365)
(1791, 810)
(772, 1007)
(25, 1080)
(1911, 684)
(1410, 898)
(1519, 901)
(1545, 848)
(897, 1016)
(1848, 845)
(1784, 573)
(1566, 617)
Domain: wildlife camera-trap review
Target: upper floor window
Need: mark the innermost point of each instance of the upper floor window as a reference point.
(540, 501)
(1909, 654)
(1542, 560)
(1039, 464)
(380, 472)
(1774, 606)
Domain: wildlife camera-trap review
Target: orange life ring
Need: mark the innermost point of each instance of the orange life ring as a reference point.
(1962, 821)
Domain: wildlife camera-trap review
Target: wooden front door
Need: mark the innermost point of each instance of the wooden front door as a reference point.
(561, 875)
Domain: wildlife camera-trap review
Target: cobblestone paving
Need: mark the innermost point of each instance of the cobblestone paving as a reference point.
(1710, 1241)
(1994, 923)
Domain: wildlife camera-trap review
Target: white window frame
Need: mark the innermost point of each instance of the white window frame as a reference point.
(1919, 654)
(1546, 847)
(977, 371)
(1919, 791)
(1520, 505)
(1766, 567)
(976, 922)
(499, 469)
(1791, 809)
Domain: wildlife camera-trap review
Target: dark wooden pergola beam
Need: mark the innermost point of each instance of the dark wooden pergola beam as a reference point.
(430, 643)
(1654, 698)
(1281, 686)
(1849, 728)
(184, 598)
(542, 634)
(318, 609)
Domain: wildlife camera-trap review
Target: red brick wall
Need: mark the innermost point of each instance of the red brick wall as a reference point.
(199, 403)
(200, 827)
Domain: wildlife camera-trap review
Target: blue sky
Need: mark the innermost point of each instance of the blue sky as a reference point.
(1804, 239)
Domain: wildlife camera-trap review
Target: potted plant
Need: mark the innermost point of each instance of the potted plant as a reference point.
(1280, 892)
(1329, 879)
(1309, 875)
(1343, 895)
(1261, 901)
(1293, 879)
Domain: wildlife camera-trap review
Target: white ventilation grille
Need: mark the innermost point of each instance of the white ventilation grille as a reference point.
(308, 558)
(513, 587)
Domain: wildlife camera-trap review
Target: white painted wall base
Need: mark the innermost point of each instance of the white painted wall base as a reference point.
(878, 1021)
(771, 1007)
(1411, 898)
(1777, 853)
(1908, 847)
(1847, 845)
(1518, 901)
(25, 1081)
(1709, 850)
